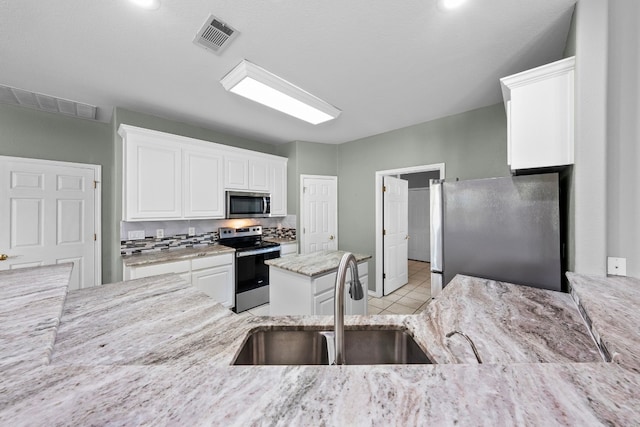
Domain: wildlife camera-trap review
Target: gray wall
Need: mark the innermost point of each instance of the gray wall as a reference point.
(41, 135)
(588, 197)
(623, 134)
(471, 144)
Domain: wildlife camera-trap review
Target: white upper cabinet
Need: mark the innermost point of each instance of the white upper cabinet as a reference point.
(259, 175)
(278, 189)
(236, 172)
(174, 177)
(203, 184)
(540, 116)
(152, 176)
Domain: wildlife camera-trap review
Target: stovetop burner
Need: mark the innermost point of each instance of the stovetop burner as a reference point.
(244, 239)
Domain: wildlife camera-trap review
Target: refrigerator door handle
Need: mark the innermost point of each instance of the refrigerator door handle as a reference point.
(436, 213)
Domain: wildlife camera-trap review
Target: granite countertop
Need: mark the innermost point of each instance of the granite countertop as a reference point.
(176, 254)
(280, 240)
(31, 301)
(610, 308)
(156, 351)
(314, 264)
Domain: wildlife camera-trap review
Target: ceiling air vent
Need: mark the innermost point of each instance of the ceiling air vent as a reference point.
(40, 101)
(215, 35)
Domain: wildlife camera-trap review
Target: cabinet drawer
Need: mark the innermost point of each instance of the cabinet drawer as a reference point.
(163, 268)
(211, 261)
(328, 281)
(288, 248)
(323, 283)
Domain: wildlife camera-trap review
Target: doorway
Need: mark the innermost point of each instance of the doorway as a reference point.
(415, 173)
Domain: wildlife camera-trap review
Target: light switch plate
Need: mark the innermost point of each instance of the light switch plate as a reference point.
(192, 231)
(136, 235)
(617, 266)
(160, 233)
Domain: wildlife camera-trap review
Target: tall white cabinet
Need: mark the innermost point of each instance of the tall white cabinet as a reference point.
(168, 177)
(540, 116)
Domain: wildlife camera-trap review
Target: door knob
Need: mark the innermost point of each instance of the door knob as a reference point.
(3, 257)
(331, 237)
(406, 238)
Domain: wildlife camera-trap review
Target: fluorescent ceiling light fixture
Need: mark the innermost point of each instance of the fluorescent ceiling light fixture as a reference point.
(451, 4)
(147, 4)
(259, 85)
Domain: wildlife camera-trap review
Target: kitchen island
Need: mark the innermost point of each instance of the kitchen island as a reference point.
(304, 284)
(157, 351)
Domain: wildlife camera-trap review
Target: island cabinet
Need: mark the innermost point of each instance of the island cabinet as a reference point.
(214, 275)
(293, 293)
(167, 177)
(540, 116)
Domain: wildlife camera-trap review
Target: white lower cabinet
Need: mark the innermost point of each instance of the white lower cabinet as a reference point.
(213, 275)
(287, 249)
(297, 294)
(215, 283)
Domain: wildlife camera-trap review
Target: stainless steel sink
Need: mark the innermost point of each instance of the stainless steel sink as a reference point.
(362, 347)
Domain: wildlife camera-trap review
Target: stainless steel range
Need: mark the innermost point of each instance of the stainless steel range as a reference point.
(252, 274)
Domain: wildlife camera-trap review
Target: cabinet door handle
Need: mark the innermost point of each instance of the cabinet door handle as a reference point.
(3, 257)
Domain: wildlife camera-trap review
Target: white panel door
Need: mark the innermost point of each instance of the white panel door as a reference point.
(48, 216)
(203, 184)
(396, 233)
(419, 224)
(153, 179)
(319, 214)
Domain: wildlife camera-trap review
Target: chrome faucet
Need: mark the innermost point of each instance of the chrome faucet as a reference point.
(473, 346)
(356, 292)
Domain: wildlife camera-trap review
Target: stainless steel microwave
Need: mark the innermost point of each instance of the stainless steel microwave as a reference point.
(248, 205)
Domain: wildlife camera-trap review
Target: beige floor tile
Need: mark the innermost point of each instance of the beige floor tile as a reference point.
(399, 309)
(379, 303)
(410, 302)
(423, 307)
(421, 299)
(402, 291)
(421, 291)
(374, 310)
(391, 298)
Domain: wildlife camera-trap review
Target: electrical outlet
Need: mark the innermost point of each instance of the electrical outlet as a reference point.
(160, 233)
(617, 266)
(192, 231)
(136, 235)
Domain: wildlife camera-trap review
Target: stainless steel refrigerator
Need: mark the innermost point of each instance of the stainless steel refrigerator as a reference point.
(505, 229)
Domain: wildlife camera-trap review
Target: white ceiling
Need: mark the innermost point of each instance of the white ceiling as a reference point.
(386, 64)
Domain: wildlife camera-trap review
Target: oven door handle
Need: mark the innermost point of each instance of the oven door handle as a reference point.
(257, 252)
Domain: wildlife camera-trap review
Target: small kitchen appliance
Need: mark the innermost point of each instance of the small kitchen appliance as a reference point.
(242, 204)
